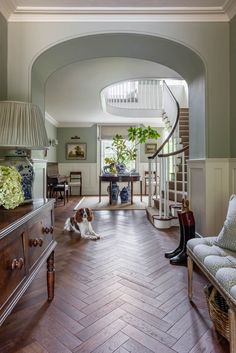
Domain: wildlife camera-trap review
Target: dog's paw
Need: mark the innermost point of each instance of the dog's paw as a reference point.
(94, 237)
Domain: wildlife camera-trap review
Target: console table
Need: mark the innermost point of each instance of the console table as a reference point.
(120, 178)
(26, 243)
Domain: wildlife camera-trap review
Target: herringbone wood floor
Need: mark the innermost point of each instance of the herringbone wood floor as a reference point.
(118, 294)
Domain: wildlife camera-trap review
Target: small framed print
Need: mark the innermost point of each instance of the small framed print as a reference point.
(150, 148)
(76, 151)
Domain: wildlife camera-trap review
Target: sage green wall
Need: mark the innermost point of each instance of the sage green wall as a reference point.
(233, 87)
(87, 135)
(199, 52)
(52, 134)
(3, 58)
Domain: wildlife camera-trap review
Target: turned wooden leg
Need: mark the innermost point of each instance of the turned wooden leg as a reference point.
(50, 276)
(190, 278)
(232, 330)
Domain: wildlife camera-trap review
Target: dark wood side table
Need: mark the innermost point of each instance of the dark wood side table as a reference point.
(120, 178)
(26, 244)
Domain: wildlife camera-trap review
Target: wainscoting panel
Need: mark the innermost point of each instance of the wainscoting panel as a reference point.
(232, 176)
(196, 193)
(39, 186)
(209, 192)
(89, 176)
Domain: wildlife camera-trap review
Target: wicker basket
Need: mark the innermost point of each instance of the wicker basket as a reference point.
(218, 310)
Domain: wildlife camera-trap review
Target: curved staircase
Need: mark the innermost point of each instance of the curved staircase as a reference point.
(171, 162)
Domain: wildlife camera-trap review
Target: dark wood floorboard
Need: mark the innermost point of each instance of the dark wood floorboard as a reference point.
(118, 294)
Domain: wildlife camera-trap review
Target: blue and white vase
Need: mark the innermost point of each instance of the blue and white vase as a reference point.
(124, 195)
(114, 192)
(19, 160)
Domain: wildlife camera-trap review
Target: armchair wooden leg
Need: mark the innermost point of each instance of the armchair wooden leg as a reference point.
(232, 327)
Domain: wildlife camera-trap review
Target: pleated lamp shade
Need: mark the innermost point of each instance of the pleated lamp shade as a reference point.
(22, 126)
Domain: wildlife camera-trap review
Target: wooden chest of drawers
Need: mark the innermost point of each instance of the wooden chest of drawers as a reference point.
(26, 243)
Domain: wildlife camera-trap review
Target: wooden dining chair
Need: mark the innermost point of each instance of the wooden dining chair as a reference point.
(63, 190)
(75, 180)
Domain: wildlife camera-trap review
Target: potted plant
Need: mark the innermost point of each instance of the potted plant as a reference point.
(122, 153)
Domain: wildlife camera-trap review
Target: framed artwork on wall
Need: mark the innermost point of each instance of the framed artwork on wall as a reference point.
(150, 148)
(76, 151)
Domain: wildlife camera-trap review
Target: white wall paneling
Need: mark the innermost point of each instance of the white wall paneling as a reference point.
(209, 192)
(39, 167)
(196, 193)
(232, 176)
(89, 176)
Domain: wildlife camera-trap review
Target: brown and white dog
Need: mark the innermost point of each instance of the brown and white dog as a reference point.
(81, 223)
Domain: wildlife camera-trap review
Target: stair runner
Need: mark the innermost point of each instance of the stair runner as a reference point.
(184, 135)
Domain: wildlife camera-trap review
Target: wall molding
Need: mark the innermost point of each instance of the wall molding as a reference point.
(51, 120)
(18, 13)
(118, 16)
(230, 8)
(6, 8)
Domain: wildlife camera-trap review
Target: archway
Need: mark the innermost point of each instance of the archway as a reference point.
(139, 46)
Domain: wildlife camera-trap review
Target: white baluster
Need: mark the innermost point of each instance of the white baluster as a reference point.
(175, 178)
(149, 182)
(183, 178)
(161, 188)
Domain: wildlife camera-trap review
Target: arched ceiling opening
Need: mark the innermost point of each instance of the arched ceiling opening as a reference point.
(173, 55)
(72, 93)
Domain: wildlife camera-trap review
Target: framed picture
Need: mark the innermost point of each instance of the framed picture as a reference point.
(76, 151)
(150, 148)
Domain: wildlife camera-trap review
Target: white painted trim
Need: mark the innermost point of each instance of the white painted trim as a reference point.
(51, 120)
(14, 13)
(6, 8)
(118, 16)
(211, 160)
(230, 8)
(75, 124)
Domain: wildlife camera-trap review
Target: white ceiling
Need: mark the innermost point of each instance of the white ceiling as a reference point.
(73, 92)
(23, 10)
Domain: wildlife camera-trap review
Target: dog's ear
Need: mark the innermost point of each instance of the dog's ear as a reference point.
(79, 215)
(90, 214)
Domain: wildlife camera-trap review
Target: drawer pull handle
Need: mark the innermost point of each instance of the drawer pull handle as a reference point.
(36, 242)
(17, 264)
(47, 230)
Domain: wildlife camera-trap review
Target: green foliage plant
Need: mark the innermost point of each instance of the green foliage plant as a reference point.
(122, 153)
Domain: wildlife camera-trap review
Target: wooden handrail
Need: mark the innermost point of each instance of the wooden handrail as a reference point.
(174, 153)
(173, 128)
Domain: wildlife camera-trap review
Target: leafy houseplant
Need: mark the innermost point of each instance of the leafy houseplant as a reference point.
(122, 153)
(11, 194)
